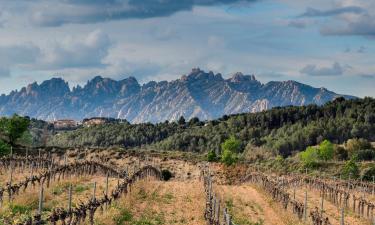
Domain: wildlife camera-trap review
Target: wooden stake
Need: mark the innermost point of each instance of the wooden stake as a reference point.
(10, 183)
(94, 192)
(41, 193)
(342, 222)
(70, 198)
(106, 185)
(305, 207)
(322, 206)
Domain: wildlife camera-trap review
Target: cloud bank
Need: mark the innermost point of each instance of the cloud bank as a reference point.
(59, 12)
(313, 70)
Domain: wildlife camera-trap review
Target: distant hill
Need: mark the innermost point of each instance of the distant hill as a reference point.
(282, 129)
(198, 94)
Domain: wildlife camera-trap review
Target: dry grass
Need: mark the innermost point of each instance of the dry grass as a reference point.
(330, 210)
(156, 203)
(251, 206)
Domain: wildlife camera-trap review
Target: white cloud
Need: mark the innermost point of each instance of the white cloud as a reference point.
(75, 52)
(313, 70)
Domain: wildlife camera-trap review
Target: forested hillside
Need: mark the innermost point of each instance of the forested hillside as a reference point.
(284, 129)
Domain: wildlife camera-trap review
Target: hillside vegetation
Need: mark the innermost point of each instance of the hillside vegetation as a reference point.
(283, 129)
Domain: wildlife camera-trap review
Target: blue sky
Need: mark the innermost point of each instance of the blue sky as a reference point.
(328, 43)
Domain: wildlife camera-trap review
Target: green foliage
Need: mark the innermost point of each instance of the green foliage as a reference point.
(231, 144)
(125, 216)
(4, 148)
(228, 157)
(20, 209)
(310, 157)
(326, 150)
(211, 156)
(11, 129)
(284, 130)
(181, 120)
(351, 169)
(229, 149)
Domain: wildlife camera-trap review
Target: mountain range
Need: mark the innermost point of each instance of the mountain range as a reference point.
(198, 94)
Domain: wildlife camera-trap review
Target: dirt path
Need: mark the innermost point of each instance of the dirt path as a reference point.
(158, 203)
(249, 205)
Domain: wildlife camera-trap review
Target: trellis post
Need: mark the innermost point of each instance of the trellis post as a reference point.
(70, 198)
(322, 206)
(342, 222)
(41, 193)
(10, 182)
(106, 185)
(305, 207)
(94, 192)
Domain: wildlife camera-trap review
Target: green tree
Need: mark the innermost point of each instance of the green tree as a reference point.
(229, 149)
(326, 150)
(228, 157)
(4, 148)
(310, 157)
(11, 129)
(351, 168)
(232, 144)
(181, 120)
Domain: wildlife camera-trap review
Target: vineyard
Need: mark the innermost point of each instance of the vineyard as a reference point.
(97, 188)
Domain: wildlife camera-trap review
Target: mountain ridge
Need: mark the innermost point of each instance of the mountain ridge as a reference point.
(198, 94)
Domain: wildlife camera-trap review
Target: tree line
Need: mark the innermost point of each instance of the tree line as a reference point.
(285, 130)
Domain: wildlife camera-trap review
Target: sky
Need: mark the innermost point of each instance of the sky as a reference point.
(323, 43)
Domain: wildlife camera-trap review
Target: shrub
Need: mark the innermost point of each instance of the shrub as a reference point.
(368, 174)
(232, 144)
(310, 157)
(340, 153)
(353, 146)
(351, 169)
(366, 155)
(326, 150)
(211, 156)
(4, 148)
(228, 157)
(229, 149)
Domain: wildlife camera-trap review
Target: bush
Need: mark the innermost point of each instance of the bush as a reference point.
(351, 169)
(4, 148)
(310, 157)
(326, 150)
(229, 149)
(368, 174)
(366, 155)
(228, 157)
(340, 153)
(353, 146)
(211, 156)
(231, 144)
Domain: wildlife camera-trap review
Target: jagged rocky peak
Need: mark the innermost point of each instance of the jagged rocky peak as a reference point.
(240, 77)
(129, 86)
(199, 93)
(56, 86)
(198, 74)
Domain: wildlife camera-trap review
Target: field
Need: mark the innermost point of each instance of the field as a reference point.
(139, 193)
